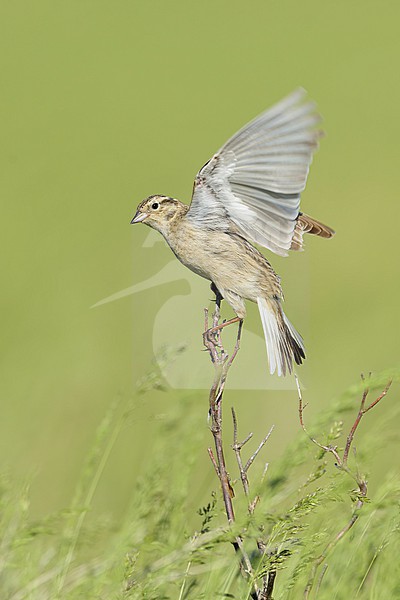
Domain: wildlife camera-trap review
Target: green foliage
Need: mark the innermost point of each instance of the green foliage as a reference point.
(157, 553)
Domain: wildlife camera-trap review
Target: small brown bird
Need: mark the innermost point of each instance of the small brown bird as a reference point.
(248, 192)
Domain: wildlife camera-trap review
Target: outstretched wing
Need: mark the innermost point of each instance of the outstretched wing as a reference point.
(253, 183)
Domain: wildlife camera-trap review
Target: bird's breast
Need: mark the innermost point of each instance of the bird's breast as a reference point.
(192, 248)
(226, 259)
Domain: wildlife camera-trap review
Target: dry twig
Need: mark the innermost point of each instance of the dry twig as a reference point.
(341, 462)
(222, 363)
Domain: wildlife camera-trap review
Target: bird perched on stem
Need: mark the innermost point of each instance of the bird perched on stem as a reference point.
(248, 192)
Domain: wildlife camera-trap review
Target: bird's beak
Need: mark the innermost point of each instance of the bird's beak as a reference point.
(139, 217)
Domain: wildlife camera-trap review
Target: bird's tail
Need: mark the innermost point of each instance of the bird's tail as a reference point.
(283, 342)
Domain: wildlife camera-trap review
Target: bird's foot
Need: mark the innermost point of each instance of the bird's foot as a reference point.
(212, 334)
(224, 323)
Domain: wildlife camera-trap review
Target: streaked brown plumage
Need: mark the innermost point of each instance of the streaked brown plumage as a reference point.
(249, 190)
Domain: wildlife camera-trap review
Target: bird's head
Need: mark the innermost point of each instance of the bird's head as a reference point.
(159, 212)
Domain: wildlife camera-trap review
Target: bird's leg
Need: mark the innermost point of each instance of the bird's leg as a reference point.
(216, 315)
(216, 329)
(218, 295)
(224, 324)
(237, 345)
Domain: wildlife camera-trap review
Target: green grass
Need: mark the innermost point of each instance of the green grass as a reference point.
(157, 553)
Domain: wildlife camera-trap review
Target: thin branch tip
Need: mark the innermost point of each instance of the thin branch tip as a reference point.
(341, 463)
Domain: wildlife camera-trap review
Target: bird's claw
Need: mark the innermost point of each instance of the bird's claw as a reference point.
(211, 336)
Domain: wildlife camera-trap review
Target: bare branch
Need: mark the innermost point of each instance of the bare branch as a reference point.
(262, 443)
(341, 462)
(269, 587)
(379, 398)
(214, 462)
(222, 363)
(360, 415)
(253, 504)
(332, 449)
(269, 579)
(237, 448)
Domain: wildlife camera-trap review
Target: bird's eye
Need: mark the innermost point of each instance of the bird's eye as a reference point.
(155, 205)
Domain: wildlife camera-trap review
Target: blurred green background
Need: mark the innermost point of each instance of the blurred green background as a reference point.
(104, 103)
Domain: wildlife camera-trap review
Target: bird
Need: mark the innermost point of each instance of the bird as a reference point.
(248, 194)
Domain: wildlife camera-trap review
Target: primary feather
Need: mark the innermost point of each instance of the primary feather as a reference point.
(254, 181)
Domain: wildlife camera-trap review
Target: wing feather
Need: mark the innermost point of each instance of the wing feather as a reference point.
(253, 183)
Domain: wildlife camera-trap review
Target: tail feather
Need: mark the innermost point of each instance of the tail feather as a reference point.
(284, 343)
(306, 224)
